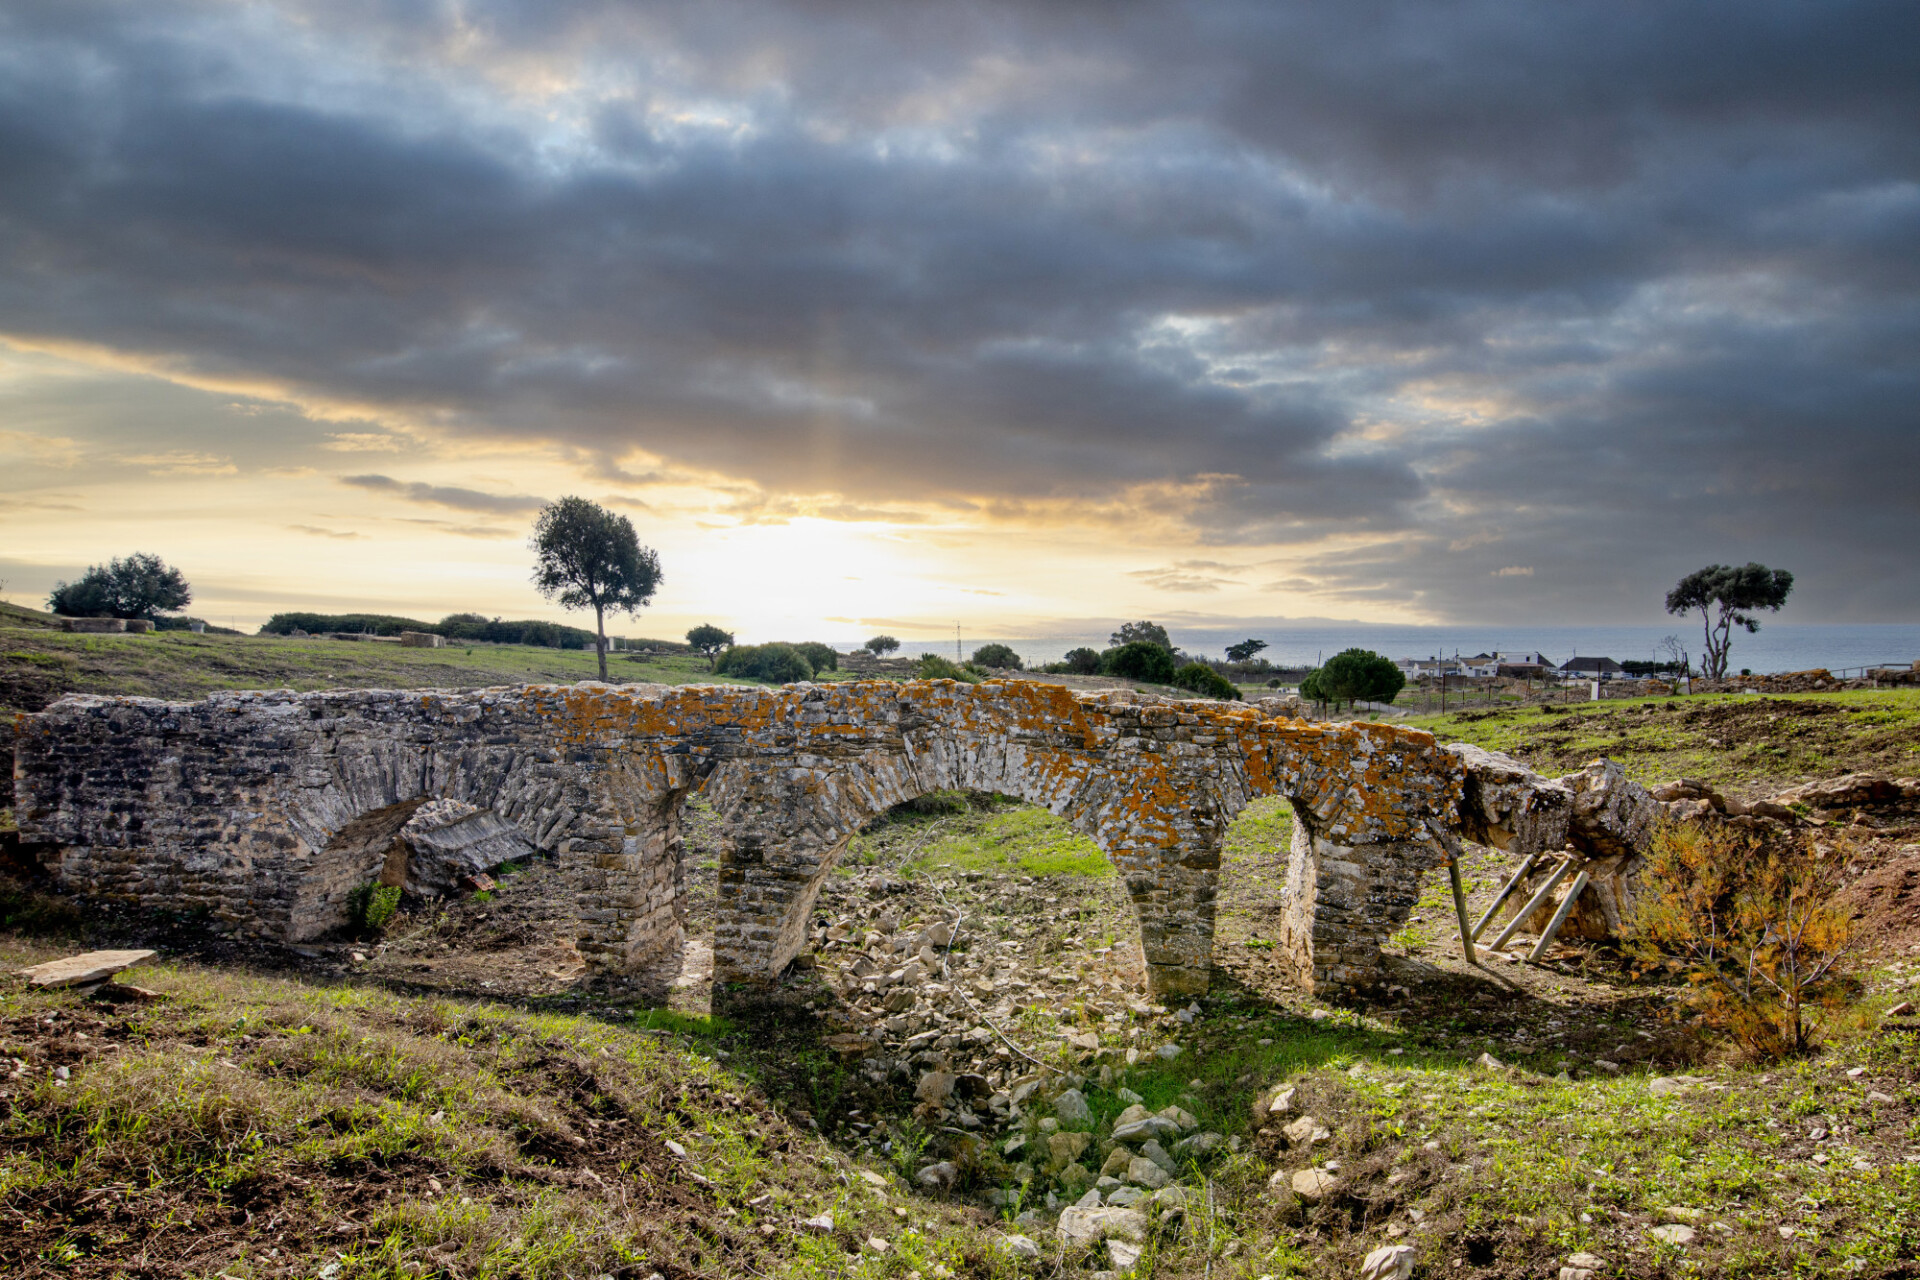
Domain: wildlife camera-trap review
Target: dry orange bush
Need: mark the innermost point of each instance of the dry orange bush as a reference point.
(1752, 926)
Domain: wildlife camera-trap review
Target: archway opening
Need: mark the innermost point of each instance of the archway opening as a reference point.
(1249, 945)
(364, 849)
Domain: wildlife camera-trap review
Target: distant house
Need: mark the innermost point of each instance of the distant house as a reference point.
(1484, 665)
(1524, 664)
(1592, 668)
(1415, 668)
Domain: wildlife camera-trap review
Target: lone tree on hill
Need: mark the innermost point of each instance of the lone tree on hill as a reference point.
(586, 557)
(881, 646)
(1244, 651)
(710, 640)
(140, 586)
(1354, 675)
(1724, 595)
(1149, 632)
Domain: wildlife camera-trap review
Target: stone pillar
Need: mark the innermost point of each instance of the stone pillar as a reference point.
(631, 890)
(1342, 902)
(1174, 900)
(768, 883)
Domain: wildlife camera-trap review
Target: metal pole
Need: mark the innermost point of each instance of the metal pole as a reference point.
(1533, 904)
(1460, 910)
(1559, 918)
(1513, 882)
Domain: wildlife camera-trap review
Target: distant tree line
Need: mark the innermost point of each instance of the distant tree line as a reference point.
(455, 626)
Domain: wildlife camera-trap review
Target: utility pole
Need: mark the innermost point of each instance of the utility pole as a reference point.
(956, 646)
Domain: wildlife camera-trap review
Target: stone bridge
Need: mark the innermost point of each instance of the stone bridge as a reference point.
(262, 812)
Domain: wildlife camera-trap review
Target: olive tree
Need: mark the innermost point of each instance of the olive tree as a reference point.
(709, 640)
(140, 586)
(881, 646)
(1725, 596)
(586, 557)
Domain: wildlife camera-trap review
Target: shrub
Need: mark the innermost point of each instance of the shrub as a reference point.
(934, 667)
(371, 905)
(1753, 928)
(779, 663)
(996, 655)
(1081, 662)
(1139, 660)
(821, 657)
(1198, 677)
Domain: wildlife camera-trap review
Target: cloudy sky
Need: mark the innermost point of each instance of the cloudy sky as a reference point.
(882, 316)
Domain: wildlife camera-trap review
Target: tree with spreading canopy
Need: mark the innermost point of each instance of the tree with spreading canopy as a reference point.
(1082, 661)
(1726, 596)
(1245, 650)
(1141, 633)
(881, 646)
(140, 586)
(709, 640)
(1354, 675)
(586, 557)
(1139, 660)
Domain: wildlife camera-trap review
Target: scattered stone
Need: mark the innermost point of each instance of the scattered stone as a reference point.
(938, 1177)
(83, 970)
(1306, 1131)
(1388, 1262)
(1020, 1246)
(1611, 1068)
(1673, 1233)
(1663, 1086)
(1182, 1120)
(1168, 1052)
(1071, 1107)
(823, 1223)
(1583, 1266)
(1122, 1254)
(935, 1086)
(1314, 1185)
(1090, 1226)
(1199, 1146)
(1490, 1062)
(1147, 1173)
(1065, 1148)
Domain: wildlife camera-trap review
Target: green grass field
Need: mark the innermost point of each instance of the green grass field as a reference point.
(39, 663)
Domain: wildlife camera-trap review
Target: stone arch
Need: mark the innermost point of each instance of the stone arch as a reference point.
(787, 829)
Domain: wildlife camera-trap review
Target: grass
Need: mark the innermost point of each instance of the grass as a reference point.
(987, 834)
(1735, 740)
(38, 664)
(250, 1127)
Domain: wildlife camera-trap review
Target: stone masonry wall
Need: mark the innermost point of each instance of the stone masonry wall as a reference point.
(243, 807)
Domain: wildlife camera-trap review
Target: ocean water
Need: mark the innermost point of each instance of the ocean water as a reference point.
(1775, 647)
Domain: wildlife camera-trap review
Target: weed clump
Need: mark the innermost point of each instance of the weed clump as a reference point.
(1752, 927)
(371, 905)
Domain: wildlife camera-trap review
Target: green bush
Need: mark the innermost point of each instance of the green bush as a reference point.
(820, 656)
(934, 667)
(371, 905)
(1080, 662)
(1139, 660)
(996, 655)
(1198, 677)
(779, 663)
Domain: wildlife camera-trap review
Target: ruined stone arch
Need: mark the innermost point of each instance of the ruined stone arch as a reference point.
(234, 804)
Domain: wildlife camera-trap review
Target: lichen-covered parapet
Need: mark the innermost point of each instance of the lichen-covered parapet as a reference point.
(261, 812)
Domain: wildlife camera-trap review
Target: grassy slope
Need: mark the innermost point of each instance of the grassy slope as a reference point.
(251, 1126)
(1743, 741)
(38, 664)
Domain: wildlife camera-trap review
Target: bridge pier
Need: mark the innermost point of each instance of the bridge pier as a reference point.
(1342, 901)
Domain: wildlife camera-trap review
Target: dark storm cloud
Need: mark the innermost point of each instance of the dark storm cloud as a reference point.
(1588, 290)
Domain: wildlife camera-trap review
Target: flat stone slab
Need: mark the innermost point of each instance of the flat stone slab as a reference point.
(78, 971)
